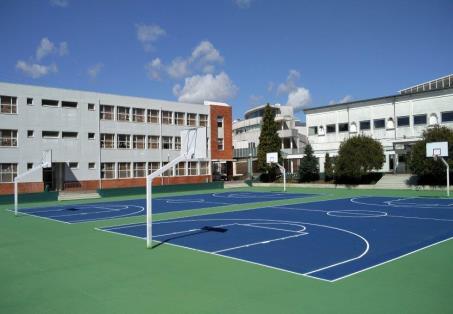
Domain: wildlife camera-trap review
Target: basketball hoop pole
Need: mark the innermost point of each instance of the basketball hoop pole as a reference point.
(283, 171)
(448, 174)
(16, 180)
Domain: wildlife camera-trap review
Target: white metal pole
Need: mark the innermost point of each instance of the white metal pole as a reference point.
(448, 175)
(149, 204)
(284, 181)
(15, 197)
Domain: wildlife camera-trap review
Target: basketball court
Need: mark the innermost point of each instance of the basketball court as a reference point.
(327, 240)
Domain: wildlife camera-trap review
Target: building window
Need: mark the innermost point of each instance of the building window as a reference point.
(192, 119)
(167, 142)
(220, 144)
(153, 166)
(107, 140)
(29, 165)
(365, 125)
(203, 120)
(153, 142)
(124, 170)
(204, 167)
(91, 165)
(50, 134)
(107, 170)
(29, 101)
(166, 117)
(49, 102)
(179, 118)
(122, 113)
(343, 127)
(192, 168)
(73, 165)
(181, 169)
(331, 128)
(139, 169)
(153, 116)
(138, 115)
(123, 141)
(8, 138)
(91, 107)
(379, 123)
(69, 104)
(91, 136)
(447, 116)
(219, 121)
(69, 134)
(178, 142)
(106, 112)
(8, 104)
(313, 130)
(8, 172)
(402, 121)
(30, 133)
(139, 142)
(169, 172)
(419, 119)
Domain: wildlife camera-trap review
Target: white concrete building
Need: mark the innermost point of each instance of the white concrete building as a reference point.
(291, 131)
(102, 140)
(396, 121)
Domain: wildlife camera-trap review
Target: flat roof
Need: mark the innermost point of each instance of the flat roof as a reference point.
(365, 101)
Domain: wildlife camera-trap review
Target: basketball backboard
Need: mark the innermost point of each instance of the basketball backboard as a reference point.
(46, 160)
(437, 149)
(272, 158)
(194, 143)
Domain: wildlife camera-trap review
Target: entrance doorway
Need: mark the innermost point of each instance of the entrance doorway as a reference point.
(53, 177)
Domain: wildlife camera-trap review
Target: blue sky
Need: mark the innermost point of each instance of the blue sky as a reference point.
(243, 52)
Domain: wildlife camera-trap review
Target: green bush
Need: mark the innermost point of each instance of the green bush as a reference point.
(357, 157)
(269, 143)
(328, 168)
(428, 170)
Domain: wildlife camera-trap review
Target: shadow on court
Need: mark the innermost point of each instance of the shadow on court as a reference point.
(204, 229)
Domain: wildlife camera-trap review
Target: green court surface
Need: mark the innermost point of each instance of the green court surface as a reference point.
(51, 267)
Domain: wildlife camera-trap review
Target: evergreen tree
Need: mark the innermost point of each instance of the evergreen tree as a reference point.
(308, 170)
(269, 142)
(357, 157)
(328, 168)
(428, 170)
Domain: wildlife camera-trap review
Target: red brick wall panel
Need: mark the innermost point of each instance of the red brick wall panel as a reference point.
(227, 114)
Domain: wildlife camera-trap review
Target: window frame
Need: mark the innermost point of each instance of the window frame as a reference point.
(136, 141)
(8, 170)
(398, 122)
(11, 139)
(12, 105)
(446, 120)
(126, 170)
(168, 143)
(123, 114)
(137, 117)
(104, 140)
(104, 115)
(420, 116)
(105, 171)
(152, 143)
(379, 120)
(126, 140)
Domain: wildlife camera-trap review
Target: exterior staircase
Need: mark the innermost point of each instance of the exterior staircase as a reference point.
(394, 181)
(77, 195)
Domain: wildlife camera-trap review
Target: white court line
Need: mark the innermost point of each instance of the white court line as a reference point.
(391, 260)
(258, 243)
(111, 217)
(218, 255)
(258, 225)
(389, 203)
(191, 230)
(42, 217)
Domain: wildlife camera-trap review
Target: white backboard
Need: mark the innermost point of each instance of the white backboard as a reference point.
(46, 160)
(194, 143)
(272, 158)
(437, 149)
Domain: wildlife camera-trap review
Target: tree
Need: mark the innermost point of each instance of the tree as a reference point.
(269, 143)
(328, 168)
(357, 157)
(428, 170)
(308, 170)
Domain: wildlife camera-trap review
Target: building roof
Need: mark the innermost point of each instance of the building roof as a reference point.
(365, 102)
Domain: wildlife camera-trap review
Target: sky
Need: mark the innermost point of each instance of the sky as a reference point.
(242, 52)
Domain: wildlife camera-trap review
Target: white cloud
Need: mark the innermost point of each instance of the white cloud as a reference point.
(59, 3)
(47, 47)
(94, 70)
(154, 67)
(299, 98)
(178, 68)
(243, 4)
(36, 70)
(206, 87)
(346, 98)
(203, 59)
(255, 99)
(149, 34)
(290, 84)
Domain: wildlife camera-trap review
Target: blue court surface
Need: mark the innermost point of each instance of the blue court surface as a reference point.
(327, 240)
(109, 210)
